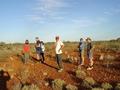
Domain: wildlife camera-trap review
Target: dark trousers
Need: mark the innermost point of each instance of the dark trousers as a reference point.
(43, 58)
(59, 60)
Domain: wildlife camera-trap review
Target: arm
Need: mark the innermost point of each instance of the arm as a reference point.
(62, 46)
(79, 45)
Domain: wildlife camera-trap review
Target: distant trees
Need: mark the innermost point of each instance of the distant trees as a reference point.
(2, 43)
(118, 39)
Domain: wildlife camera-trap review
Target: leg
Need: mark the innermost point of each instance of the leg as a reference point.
(43, 58)
(82, 57)
(91, 58)
(79, 62)
(59, 60)
(90, 61)
(26, 56)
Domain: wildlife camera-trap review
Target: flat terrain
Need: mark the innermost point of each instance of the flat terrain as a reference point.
(41, 74)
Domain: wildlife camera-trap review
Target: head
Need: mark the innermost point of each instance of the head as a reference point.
(27, 42)
(1, 72)
(81, 39)
(57, 38)
(88, 40)
(37, 38)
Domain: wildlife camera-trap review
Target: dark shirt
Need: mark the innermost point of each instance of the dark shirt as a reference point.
(3, 82)
(89, 46)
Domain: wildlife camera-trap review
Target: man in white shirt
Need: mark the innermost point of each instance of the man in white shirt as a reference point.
(58, 50)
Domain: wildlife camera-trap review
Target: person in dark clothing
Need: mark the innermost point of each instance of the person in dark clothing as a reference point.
(89, 53)
(4, 77)
(81, 52)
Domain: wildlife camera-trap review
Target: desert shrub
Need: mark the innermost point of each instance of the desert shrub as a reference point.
(88, 83)
(90, 80)
(107, 59)
(106, 86)
(68, 59)
(24, 74)
(80, 74)
(97, 89)
(30, 87)
(26, 87)
(17, 86)
(117, 86)
(58, 84)
(71, 87)
(34, 87)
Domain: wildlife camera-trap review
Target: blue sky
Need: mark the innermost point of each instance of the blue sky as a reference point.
(70, 19)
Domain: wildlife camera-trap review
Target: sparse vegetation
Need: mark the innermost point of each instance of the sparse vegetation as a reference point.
(117, 86)
(58, 84)
(34, 73)
(80, 74)
(71, 87)
(107, 86)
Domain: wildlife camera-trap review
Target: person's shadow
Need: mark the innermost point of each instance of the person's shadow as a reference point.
(4, 77)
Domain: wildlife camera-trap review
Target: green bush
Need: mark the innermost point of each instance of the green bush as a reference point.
(71, 87)
(24, 74)
(106, 86)
(17, 86)
(34, 87)
(58, 84)
(97, 89)
(26, 87)
(80, 74)
(86, 85)
(30, 87)
(90, 80)
(117, 86)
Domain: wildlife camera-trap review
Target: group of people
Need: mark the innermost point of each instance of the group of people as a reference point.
(89, 52)
(40, 49)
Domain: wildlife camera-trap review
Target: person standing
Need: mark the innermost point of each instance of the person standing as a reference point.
(26, 51)
(42, 51)
(89, 53)
(58, 50)
(37, 47)
(81, 52)
(40, 48)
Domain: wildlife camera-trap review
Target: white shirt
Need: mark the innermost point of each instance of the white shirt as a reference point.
(42, 47)
(58, 45)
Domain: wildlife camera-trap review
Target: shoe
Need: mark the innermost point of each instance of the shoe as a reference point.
(91, 63)
(82, 64)
(42, 61)
(89, 68)
(60, 70)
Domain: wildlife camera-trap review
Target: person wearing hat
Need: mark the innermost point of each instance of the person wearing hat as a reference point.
(58, 50)
(89, 53)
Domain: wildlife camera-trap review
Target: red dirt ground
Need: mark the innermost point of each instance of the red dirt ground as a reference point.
(100, 73)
